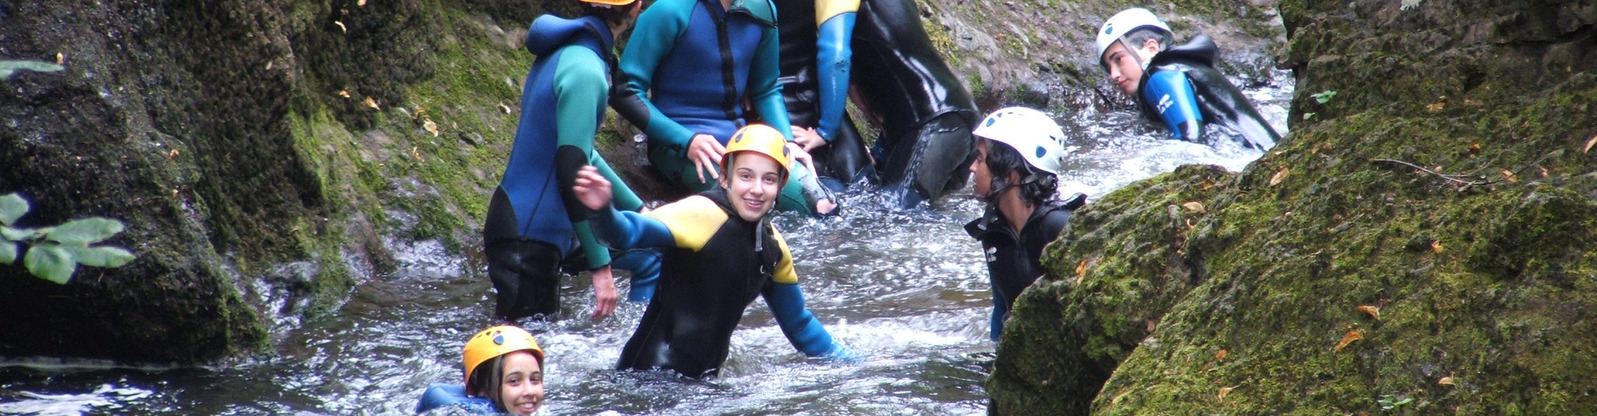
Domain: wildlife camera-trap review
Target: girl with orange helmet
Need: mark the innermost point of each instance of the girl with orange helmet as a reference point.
(504, 374)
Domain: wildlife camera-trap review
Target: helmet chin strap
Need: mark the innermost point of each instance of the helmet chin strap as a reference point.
(1135, 54)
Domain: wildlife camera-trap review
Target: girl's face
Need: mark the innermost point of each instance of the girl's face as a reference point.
(521, 383)
(752, 184)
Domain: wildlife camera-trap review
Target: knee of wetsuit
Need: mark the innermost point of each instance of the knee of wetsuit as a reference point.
(526, 275)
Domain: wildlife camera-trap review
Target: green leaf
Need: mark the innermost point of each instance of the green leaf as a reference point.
(1323, 96)
(104, 256)
(85, 231)
(12, 207)
(10, 67)
(1307, 116)
(8, 252)
(50, 262)
(17, 234)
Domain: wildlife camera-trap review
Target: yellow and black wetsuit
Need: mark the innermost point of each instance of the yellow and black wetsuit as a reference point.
(715, 264)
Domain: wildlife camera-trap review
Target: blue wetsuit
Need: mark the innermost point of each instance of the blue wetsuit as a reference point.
(1182, 89)
(533, 221)
(715, 265)
(445, 395)
(1014, 261)
(691, 65)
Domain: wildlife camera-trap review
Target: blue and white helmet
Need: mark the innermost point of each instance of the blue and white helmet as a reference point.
(1031, 133)
(1122, 23)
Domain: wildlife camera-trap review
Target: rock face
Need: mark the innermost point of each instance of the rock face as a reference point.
(259, 152)
(1422, 242)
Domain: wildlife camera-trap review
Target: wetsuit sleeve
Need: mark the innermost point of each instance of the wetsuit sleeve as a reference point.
(621, 195)
(653, 37)
(764, 91)
(626, 230)
(1172, 94)
(579, 89)
(442, 395)
(835, 20)
(786, 301)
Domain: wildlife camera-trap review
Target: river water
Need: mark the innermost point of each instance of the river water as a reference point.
(906, 288)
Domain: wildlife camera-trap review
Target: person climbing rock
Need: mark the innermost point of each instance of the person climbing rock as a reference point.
(1019, 154)
(696, 71)
(1176, 85)
(721, 252)
(532, 222)
(504, 374)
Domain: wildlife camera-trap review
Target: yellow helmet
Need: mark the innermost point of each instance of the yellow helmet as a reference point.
(763, 139)
(494, 342)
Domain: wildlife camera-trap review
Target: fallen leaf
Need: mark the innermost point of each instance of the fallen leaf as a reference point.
(1445, 381)
(430, 126)
(341, 26)
(1279, 176)
(1207, 184)
(1081, 269)
(1371, 310)
(1152, 325)
(343, 93)
(1589, 144)
(1436, 246)
(372, 103)
(172, 154)
(174, 192)
(1437, 107)
(416, 154)
(505, 108)
(361, 3)
(61, 59)
(1509, 176)
(1194, 206)
(1220, 356)
(1544, 171)
(1224, 391)
(1348, 338)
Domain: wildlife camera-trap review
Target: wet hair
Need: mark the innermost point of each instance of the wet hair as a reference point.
(1136, 38)
(612, 15)
(485, 382)
(1035, 187)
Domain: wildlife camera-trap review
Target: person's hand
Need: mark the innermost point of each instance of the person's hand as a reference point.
(592, 189)
(705, 152)
(800, 155)
(807, 137)
(604, 293)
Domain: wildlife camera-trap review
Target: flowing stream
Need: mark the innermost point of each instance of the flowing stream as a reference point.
(906, 288)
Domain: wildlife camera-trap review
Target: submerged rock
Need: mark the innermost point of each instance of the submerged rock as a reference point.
(1423, 241)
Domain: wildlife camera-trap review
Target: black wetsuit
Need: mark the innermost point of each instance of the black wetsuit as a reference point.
(1015, 261)
(1216, 98)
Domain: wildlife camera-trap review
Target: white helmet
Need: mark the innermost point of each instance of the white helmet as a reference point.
(1031, 133)
(1122, 23)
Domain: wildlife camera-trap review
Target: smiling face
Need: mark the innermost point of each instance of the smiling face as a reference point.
(521, 383)
(752, 182)
(1125, 65)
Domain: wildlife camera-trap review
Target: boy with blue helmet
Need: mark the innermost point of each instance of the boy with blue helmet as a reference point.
(1177, 85)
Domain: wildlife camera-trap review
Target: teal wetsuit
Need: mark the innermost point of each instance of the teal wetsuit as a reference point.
(691, 66)
(533, 221)
(715, 265)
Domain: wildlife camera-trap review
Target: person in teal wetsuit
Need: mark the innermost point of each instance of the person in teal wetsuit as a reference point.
(721, 251)
(1177, 85)
(692, 66)
(531, 224)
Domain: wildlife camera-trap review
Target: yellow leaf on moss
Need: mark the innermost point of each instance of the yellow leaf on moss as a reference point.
(1350, 337)
(1589, 144)
(1081, 270)
(61, 59)
(1436, 107)
(1509, 176)
(1371, 310)
(1279, 176)
(430, 126)
(1224, 391)
(1194, 206)
(343, 93)
(1436, 247)
(1220, 356)
(1445, 381)
(372, 103)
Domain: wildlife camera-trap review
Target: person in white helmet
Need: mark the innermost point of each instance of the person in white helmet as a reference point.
(1016, 172)
(1176, 85)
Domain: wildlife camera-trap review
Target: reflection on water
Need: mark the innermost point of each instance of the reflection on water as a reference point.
(906, 288)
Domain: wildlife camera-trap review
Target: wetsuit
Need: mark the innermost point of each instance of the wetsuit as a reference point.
(715, 265)
(1182, 89)
(690, 65)
(1015, 261)
(926, 114)
(444, 395)
(532, 217)
(816, 59)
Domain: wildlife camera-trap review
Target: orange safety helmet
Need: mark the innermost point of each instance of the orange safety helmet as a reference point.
(762, 139)
(494, 342)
